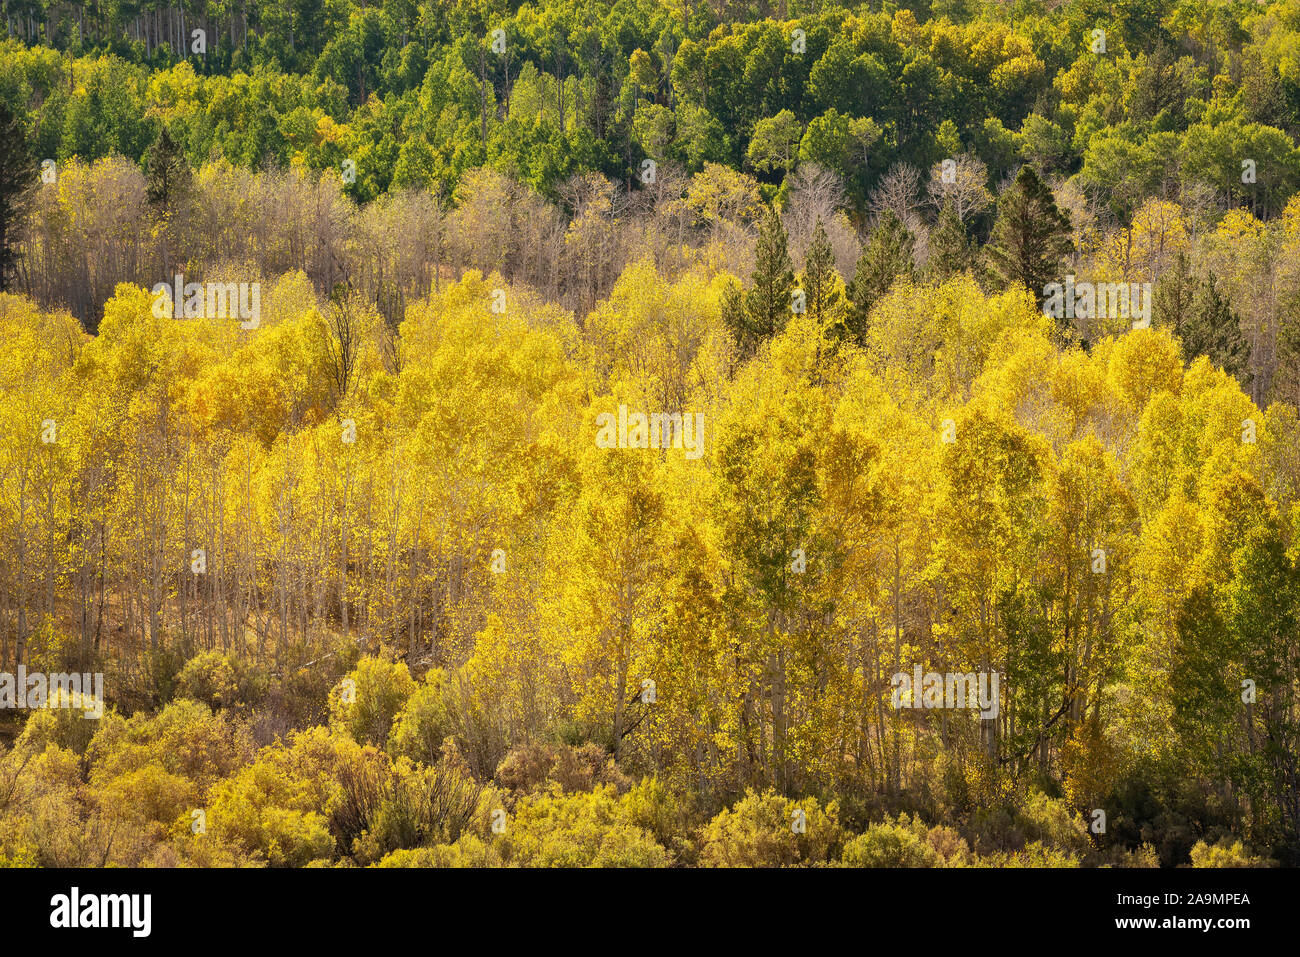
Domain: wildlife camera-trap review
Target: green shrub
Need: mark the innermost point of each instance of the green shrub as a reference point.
(424, 722)
(381, 691)
(890, 845)
(586, 829)
(1226, 853)
(208, 677)
(759, 832)
(1051, 821)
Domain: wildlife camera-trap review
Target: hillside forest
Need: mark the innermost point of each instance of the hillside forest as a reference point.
(612, 413)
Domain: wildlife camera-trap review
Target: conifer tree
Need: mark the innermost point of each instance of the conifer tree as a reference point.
(167, 173)
(949, 247)
(823, 298)
(888, 256)
(17, 177)
(1211, 328)
(1172, 298)
(1031, 236)
(765, 308)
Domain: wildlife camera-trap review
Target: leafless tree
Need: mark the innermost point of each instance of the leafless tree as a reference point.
(342, 335)
(592, 253)
(1083, 214)
(816, 195)
(963, 181)
(898, 192)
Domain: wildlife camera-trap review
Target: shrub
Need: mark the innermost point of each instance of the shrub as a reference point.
(469, 851)
(758, 832)
(589, 829)
(1051, 821)
(149, 794)
(951, 847)
(1226, 853)
(889, 845)
(1144, 856)
(531, 767)
(652, 805)
(269, 813)
(186, 738)
(60, 727)
(382, 689)
(424, 722)
(1046, 820)
(419, 806)
(209, 678)
(1033, 854)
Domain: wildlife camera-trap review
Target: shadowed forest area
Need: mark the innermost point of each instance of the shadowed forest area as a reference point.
(617, 411)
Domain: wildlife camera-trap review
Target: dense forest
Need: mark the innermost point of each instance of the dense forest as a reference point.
(619, 403)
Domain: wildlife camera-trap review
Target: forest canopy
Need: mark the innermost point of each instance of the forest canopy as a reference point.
(615, 415)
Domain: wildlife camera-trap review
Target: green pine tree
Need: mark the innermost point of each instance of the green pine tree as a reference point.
(765, 308)
(168, 177)
(17, 179)
(1172, 298)
(1211, 328)
(949, 247)
(819, 278)
(1031, 236)
(887, 258)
